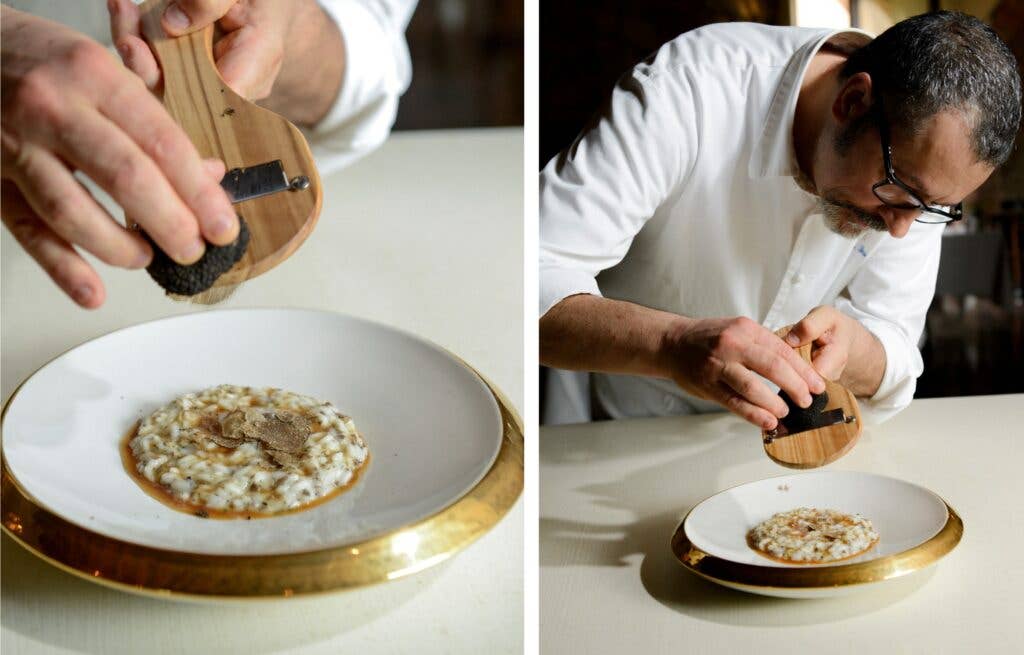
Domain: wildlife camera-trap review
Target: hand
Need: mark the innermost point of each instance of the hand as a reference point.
(68, 105)
(261, 38)
(842, 350)
(721, 359)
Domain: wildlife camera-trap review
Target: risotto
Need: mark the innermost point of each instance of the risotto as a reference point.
(242, 452)
(813, 536)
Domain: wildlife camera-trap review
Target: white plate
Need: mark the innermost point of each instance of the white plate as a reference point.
(909, 519)
(432, 425)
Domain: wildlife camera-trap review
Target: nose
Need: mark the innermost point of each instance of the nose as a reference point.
(899, 220)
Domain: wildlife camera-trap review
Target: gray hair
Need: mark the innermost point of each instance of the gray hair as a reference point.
(946, 61)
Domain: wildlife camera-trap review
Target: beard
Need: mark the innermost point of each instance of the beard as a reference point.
(846, 220)
(841, 217)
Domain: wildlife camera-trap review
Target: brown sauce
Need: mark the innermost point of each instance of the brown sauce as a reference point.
(160, 493)
(783, 560)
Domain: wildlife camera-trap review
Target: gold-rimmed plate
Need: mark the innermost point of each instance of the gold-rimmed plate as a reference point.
(916, 529)
(446, 448)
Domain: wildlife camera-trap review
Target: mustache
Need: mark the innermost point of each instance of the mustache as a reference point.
(840, 212)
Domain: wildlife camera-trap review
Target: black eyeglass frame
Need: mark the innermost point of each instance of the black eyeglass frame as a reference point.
(954, 214)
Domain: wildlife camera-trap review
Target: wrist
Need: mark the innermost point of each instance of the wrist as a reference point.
(670, 343)
(312, 48)
(866, 362)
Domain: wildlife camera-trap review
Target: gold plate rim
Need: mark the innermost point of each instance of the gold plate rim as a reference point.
(753, 576)
(182, 575)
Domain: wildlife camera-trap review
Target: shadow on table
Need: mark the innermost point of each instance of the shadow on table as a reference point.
(699, 457)
(692, 461)
(52, 607)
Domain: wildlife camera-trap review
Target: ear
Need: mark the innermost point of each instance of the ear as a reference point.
(854, 98)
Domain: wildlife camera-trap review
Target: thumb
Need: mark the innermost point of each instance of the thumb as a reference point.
(810, 327)
(185, 16)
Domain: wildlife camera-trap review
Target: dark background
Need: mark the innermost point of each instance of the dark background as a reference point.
(974, 336)
(467, 59)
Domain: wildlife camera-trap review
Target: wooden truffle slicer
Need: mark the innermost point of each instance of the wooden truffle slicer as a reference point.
(831, 433)
(271, 179)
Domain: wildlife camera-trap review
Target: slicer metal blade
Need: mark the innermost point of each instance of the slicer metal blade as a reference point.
(260, 180)
(819, 420)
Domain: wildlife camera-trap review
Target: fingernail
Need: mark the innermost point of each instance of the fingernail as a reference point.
(193, 251)
(82, 294)
(769, 425)
(818, 386)
(142, 259)
(223, 225)
(785, 412)
(176, 18)
(126, 53)
(792, 339)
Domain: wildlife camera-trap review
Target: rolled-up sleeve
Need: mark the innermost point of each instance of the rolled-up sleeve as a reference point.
(377, 72)
(596, 195)
(890, 296)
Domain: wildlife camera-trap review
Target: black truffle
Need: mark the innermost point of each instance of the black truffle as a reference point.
(200, 276)
(799, 418)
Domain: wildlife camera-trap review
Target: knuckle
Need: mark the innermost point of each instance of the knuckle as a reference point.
(711, 370)
(174, 231)
(87, 57)
(164, 145)
(727, 340)
(27, 231)
(209, 197)
(126, 177)
(62, 213)
(36, 98)
(744, 323)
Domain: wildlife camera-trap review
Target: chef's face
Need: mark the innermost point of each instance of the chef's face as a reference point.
(938, 163)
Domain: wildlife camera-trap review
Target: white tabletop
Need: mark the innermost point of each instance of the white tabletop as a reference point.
(613, 493)
(425, 234)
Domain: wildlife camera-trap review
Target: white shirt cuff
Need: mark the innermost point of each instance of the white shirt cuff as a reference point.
(377, 72)
(903, 365)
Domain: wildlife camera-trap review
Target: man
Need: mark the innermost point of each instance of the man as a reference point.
(749, 178)
(336, 68)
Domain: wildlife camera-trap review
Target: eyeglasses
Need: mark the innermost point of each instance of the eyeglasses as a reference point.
(894, 193)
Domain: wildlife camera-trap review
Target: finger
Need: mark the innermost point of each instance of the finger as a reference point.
(139, 59)
(147, 123)
(103, 152)
(749, 386)
(781, 365)
(249, 61)
(184, 16)
(738, 405)
(60, 261)
(126, 31)
(830, 361)
(215, 168)
(812, 326)
(810, 376)
(73, 214)
(124, 19)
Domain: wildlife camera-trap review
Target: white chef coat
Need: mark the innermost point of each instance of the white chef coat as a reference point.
(682, 197)
(377, 69)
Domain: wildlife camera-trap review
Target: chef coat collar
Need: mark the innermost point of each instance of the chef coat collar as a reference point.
(774, 154)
